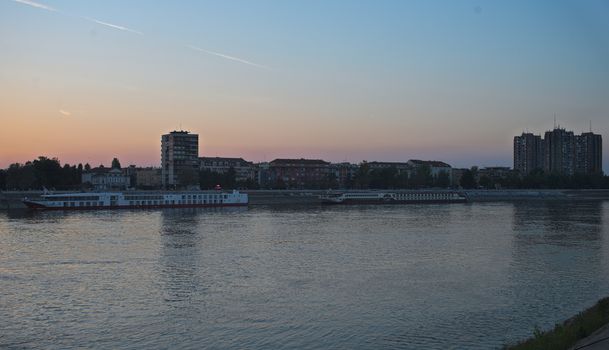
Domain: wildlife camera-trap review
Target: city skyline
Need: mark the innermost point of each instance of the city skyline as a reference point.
(390, 81)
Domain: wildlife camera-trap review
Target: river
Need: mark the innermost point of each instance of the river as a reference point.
(453, 276)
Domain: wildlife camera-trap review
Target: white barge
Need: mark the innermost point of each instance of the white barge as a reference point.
(137, 200)
(406, 197)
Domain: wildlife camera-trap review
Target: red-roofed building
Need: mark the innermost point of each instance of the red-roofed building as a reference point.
(299, 173)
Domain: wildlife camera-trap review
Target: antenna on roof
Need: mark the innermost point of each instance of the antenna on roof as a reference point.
(590, 125)
(554, 120)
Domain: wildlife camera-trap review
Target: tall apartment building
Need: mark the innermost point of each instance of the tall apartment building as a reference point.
(589, 153)
(528, 153)
(559, 152)
(179, 159)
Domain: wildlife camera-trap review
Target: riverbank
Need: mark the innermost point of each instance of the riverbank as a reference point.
(588, 330)
(12, 200)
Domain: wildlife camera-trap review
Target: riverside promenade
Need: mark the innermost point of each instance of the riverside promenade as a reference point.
(12, 199)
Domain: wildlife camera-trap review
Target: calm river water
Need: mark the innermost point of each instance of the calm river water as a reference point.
(405, 277)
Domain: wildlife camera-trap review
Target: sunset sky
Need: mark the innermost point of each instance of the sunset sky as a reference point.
(86, 81)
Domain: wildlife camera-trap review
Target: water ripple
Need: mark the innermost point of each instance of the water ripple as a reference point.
(473, 276)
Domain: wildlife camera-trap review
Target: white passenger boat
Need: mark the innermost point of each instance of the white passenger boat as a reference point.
(137, 200)
(402, 197)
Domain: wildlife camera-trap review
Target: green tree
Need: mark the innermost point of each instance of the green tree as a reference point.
(2, 180)
(442, 180)
(467, 179)
(116, 164)
(512, 180)
(280, 184)
(486, 182)
(422, 177)
(248, 184)
(230, 178)
(383, 178)
(189, 177)
(48, 173)
(20, 177)
(362, 178)
(332, 180)
(535, 179)
(42, 172)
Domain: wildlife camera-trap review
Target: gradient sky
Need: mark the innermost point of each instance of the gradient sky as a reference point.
(86, 81)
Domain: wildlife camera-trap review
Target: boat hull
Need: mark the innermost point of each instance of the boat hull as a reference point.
(38, 206)
(390, 202)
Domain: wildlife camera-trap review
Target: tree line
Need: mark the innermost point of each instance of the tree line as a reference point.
(41, 173)
(45, 172)
(538, 179)
(48, 173)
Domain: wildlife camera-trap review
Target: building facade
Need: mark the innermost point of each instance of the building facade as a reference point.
(343, 174)
(299, 173)
(401, 167)
(148, 178)
(244, 170)
(528, 153)
(179, 159)
(436, 167)
(560, 152)
(105, 179)
(589, 153)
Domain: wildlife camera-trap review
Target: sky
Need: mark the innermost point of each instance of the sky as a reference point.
(86, 81)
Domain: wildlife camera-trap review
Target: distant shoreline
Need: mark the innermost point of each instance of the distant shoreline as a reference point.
(12, 199)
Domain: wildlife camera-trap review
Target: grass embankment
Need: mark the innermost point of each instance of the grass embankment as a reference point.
(566, 334)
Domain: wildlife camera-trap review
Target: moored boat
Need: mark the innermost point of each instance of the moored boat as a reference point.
(137, 200)
(402, 197)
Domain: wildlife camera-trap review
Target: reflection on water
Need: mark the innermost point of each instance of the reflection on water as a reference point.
(361, 277)
(558, 256)
(560, 223)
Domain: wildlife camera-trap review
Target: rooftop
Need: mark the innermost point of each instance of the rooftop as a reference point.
(284, 161)
(431, 163)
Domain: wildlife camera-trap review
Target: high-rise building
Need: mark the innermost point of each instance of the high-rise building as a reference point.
(179, 159)
(589, 153)
(528, 153)
(560, 152)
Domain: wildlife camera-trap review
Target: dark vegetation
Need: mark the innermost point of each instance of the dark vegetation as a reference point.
(209, 180)
(41, 173)
(566, 334)
(49, 173)
(540, 180)
(391, 178)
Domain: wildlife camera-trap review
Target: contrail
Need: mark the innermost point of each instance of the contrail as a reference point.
(36, 4)
(49, 8)
(115, 26)
(232, 58)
